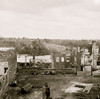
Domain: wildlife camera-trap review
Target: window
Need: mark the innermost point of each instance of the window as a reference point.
(98, 63)
(62, 59)
(67, 60)
(57, 59)
(5, 70)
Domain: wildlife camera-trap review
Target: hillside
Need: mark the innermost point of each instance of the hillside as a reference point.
(55, 47)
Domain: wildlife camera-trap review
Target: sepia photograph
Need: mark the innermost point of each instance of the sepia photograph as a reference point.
(49, 49)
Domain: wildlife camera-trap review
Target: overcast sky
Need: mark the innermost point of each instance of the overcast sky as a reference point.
(60, 19)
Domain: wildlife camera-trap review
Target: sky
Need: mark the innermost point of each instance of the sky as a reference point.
(53, 19)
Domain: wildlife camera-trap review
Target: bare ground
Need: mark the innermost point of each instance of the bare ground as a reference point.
(56, 83)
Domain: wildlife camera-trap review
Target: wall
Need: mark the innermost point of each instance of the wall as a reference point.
(60, 61)
(2, 66)
(7, 79)
(95, 51)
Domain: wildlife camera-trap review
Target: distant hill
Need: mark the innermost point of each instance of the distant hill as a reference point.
(51, 44)
(69, 42)
(55, 47)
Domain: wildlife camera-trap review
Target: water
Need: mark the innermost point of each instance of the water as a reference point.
(6, 48)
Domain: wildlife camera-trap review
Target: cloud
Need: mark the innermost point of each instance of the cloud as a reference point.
(97, 1)
(50, 19)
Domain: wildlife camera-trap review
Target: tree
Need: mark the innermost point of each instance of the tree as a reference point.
(36, 47)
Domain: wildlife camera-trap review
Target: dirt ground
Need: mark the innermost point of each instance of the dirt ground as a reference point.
(57, 83)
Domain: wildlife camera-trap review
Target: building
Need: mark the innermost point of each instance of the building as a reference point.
(28, 60)
(3, 67)
(24, 59)
(59, 60)
(86, 58)
(98, 62)
(95, 53)
(4, 55)
(92, 59)
(43, 59)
